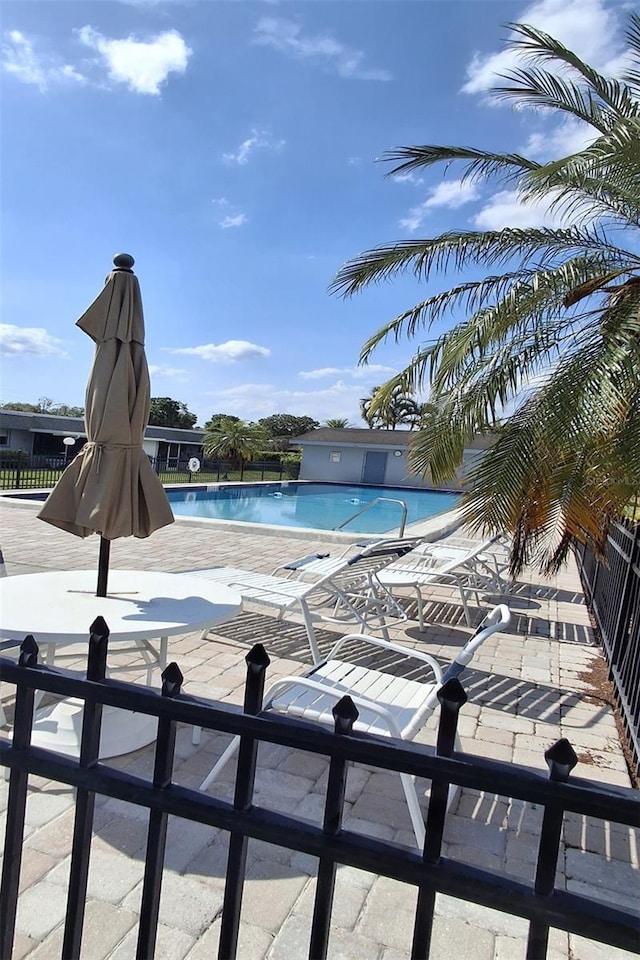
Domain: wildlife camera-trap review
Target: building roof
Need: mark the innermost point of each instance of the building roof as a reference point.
(50, 423)
(356, 437)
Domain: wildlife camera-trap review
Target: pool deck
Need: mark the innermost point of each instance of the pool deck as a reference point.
(527, 687)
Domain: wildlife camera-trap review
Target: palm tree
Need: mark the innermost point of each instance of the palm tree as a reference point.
(234, 440)
(552, 334)
(337, 423)
(387, 411)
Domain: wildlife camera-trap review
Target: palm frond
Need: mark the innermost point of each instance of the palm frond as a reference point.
(631, 74)
(464, 248)
(540, 89)
(539, 46)
(482, 164)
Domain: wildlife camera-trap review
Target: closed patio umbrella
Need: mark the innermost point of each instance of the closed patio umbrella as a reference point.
(110, 488)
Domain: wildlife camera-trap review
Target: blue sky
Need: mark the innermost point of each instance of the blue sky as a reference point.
(231, 148)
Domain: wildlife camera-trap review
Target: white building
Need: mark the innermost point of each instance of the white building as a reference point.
(377, 457)
(42, 434)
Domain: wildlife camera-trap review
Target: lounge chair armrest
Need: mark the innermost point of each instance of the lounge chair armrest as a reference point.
(267, 589)
(389, 645)
(301, 561)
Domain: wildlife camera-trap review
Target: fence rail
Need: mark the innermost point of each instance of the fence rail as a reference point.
(612, 591)
(40, 472)
(541, 904)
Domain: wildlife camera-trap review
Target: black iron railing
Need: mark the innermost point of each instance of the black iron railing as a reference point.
(612, 592)
(40, 472)
(541, 904)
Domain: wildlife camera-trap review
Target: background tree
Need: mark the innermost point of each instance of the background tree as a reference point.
(554, 331)
(218, 418)
(280, 427)
(21, 407)
(165, 412)
(45, 405)
(234, 440)
(65, 410)
(387, 410)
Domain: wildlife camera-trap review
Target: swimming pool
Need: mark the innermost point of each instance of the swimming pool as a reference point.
(319, 506)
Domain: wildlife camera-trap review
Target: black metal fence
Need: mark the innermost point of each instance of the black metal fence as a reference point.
(540, 903)
(42, 472)
(612, 591)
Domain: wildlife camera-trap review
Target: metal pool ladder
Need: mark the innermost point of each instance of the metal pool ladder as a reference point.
(371, 503)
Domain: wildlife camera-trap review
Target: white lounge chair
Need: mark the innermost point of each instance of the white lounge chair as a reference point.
(346, 590)
(471, 567)
(387, 704)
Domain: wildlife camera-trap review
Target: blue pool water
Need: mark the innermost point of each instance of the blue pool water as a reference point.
(321, 506)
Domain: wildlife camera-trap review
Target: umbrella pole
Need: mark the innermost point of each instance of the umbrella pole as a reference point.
(103, 567)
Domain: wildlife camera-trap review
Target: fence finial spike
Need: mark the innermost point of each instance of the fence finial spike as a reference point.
(451, 694)
(345, 713)
(28, 652)
(99, 627)
(257, 656)
(172, 680)
(561, 759)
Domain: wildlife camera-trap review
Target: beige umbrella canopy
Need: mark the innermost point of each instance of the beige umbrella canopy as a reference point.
(110, 487)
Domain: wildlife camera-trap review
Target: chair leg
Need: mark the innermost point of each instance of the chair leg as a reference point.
(465, 606)
(420, 610)
(222, 762)
(409, 787)
(308, 622)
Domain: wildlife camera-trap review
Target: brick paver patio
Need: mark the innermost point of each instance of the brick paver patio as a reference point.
(527, 687)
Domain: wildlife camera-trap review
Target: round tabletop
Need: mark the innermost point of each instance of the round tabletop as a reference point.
(59, 607)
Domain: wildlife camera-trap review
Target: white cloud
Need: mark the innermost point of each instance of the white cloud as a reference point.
(231, 351)
(250, 401)
(372, 371)
(28, 341)
(40, 70)
(235, 220)
(234, 217)
(567, 138)
(451, 194)
(506, 209)
(160, 370)
(287, 37)
(257, 140)
(408, 177)
(143, 65)
(588, 27)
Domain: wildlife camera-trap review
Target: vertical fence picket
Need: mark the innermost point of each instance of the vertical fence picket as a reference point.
(257, 663)
(561, 759)
(452, 698)
(85, 799)
(157, 833)
(17, 804)
(345, 715)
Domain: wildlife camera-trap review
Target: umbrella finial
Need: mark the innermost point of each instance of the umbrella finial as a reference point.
(123, 262)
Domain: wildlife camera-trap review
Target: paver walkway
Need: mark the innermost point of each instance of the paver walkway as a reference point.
(527, 687)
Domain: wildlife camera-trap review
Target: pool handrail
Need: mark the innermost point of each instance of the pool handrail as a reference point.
(371, 503)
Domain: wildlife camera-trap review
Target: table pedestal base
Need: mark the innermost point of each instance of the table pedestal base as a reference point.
(58, 727)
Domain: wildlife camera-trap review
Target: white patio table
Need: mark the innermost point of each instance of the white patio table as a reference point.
(58, 608)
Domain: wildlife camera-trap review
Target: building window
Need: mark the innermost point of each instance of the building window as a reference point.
(335, 456)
